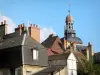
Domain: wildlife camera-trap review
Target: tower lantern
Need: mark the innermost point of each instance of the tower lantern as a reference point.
(69, 32)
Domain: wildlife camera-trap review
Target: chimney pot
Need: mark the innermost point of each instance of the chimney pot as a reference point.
(1, 23)
(30, 25)
(21, 25)
(4, 21)
(33, 31)
(18, 26)
(36, 26)
(89, 43)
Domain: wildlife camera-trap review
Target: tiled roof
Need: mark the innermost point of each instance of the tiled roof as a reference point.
(54, 45)
(49, 41)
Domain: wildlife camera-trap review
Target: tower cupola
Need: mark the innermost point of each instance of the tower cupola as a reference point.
(69, 18)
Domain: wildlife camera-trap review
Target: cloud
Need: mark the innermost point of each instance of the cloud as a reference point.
(11, 24)
(45, 32)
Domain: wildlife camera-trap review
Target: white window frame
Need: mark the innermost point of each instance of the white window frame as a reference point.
(35, 54)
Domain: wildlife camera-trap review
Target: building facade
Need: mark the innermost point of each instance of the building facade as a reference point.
(20, 54)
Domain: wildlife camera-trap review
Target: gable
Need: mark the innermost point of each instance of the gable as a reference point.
(71, 57)
(57, 46)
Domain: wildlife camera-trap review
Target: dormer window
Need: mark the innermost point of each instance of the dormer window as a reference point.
(35, 54)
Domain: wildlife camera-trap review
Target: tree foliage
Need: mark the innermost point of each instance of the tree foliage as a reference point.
(88, 68)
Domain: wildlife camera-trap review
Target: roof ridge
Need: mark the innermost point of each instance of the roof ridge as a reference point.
(23, 41)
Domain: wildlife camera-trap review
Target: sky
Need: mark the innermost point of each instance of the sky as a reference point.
(50, 16)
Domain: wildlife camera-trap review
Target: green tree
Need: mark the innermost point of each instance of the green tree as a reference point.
(88, 68)
(96, 69)
(85, 68)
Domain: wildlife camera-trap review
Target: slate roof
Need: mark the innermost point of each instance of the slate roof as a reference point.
(13, 40)
(10, 41)
(80, 47)
(65, 55)
(33, 43)
(49, 70)
(72, 39)
(24, 44)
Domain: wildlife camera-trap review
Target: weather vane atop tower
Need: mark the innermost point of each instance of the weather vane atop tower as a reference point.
(69, 9)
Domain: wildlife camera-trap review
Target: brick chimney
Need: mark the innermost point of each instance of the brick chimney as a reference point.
(34, 32)
(21, 29)
(3, 28)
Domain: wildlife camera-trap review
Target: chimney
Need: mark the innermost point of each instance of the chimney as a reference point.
(87, 53)
(65, 44)
(34, 32)
(18, 30)
(89, 43)
(74, 46)
(4, 21)
(21, 29)
(91, 50)
(1, 23)
(3, 28)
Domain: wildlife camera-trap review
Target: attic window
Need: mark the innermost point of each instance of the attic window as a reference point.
(35, 54)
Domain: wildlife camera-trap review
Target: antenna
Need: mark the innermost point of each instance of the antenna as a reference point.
(28, 23)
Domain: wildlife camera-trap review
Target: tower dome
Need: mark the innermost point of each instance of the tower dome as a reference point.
(69, 19)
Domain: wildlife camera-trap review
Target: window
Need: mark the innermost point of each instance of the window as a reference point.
(35, 54)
